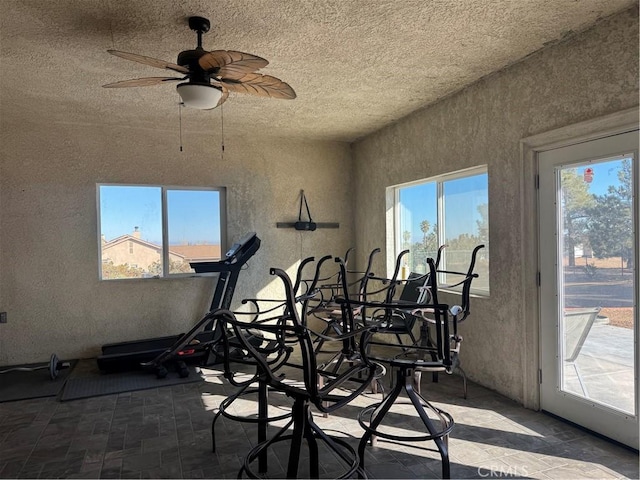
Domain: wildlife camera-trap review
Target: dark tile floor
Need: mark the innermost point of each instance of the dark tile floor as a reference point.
(165, 433)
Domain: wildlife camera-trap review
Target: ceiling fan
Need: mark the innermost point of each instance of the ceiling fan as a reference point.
(210, 76)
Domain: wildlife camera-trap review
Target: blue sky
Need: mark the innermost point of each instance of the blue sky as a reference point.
(194, 215)
(464, 195)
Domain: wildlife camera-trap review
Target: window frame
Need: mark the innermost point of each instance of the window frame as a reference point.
(395, 242)
(164, 189)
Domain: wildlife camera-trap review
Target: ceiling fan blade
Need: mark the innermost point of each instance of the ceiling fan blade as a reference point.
(141, 82)
(153, 62)
(261, 86)
(231, 64)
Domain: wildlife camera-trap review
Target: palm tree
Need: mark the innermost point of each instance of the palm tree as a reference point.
(424, 227)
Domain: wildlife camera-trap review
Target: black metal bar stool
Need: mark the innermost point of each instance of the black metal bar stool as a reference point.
(278, 354)
(329, 311)
(408, 359)
(437, 422)
(305, 393)
(457, 313)
(263, 311)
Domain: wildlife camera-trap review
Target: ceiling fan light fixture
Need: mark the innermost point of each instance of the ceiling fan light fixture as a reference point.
(199, 95)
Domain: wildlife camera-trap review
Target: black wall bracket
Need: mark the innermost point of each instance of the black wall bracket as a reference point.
(306, 225)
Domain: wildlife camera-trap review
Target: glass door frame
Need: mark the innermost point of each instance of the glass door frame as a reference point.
(596, 416)
(599, 127)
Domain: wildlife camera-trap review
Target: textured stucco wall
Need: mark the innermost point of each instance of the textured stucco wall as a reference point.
(592, 74)
(48, 226)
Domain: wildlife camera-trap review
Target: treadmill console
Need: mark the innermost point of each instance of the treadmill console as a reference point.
(236, 247)
(236, 256)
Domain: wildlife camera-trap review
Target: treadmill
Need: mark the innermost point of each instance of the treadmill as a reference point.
(197, 345)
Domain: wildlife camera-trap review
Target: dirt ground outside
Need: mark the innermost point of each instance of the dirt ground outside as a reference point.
(610, 262)
(618, 317)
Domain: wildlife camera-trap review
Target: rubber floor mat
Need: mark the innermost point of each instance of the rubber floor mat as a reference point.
(110, 383)
(19, 385)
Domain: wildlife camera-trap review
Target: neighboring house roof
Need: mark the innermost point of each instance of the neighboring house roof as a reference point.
(187, 252)
(196, 252)
(130, 238)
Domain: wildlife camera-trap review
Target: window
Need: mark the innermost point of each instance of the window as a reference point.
(154, 231)
(450, 209)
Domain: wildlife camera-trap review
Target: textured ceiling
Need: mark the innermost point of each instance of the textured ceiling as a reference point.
(356, 65)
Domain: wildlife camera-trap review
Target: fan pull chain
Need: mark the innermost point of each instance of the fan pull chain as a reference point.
(180, 117)
(110, 24)
(222, 132)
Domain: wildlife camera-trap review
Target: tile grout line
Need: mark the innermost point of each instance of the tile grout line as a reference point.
(113, 414)
(175, 432)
